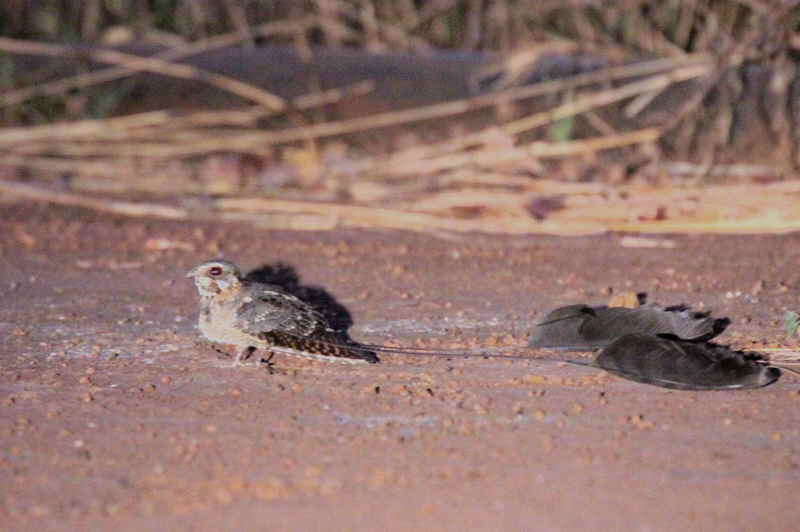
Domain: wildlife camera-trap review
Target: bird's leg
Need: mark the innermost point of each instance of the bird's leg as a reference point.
(268, 361)
(243, 353)
(220, 350)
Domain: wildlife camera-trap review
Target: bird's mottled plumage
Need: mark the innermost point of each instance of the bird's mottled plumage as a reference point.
(252, 315)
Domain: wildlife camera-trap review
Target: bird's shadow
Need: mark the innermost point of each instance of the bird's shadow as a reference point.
(285, 276)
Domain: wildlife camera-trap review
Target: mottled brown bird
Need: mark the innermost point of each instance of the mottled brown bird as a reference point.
(251, 315)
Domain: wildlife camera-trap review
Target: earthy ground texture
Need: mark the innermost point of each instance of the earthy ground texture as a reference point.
(114, 416)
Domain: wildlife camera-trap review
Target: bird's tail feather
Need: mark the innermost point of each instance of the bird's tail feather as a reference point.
(319, 347)
(337, 347)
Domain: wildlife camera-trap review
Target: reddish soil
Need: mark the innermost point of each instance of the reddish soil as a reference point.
(113, 415)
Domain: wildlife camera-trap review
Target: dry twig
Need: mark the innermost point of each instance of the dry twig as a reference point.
(125, 208)
(149, 64)
(59, 87)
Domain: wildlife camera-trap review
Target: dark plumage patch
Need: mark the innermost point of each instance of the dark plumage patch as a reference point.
(581, 327)
(670, 362)
(322, 346)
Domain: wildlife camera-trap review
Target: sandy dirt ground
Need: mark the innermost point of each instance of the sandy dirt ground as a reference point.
(114, 416)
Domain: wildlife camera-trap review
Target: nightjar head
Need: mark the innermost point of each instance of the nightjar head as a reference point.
(215, 277)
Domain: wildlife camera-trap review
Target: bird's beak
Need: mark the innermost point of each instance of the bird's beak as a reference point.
(191, 273)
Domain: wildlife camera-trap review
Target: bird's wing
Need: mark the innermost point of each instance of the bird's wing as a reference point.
(674, 363)
(581, 327)
(270, 309)
(562, 329)
(292, 326)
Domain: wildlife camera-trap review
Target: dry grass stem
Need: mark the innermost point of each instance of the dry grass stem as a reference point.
(607, 97)
(59, 87)
(125, 208)
(149, 64)
(489, 158)
(126, 127)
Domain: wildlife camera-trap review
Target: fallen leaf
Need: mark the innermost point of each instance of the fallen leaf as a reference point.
(625, 300)
(24, 237)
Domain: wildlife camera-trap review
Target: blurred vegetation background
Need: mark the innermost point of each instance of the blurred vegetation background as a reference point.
(618, 86)
(658, 27)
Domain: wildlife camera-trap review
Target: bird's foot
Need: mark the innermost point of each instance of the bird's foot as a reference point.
(242, 354)
(269, 363)
(221, 351)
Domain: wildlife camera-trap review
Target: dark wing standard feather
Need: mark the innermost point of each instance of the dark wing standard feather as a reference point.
(561, 328)
(679, 364)
(269, 309)
(582, 327)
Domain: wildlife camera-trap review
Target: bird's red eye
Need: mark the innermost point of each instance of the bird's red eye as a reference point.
(215, 271)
